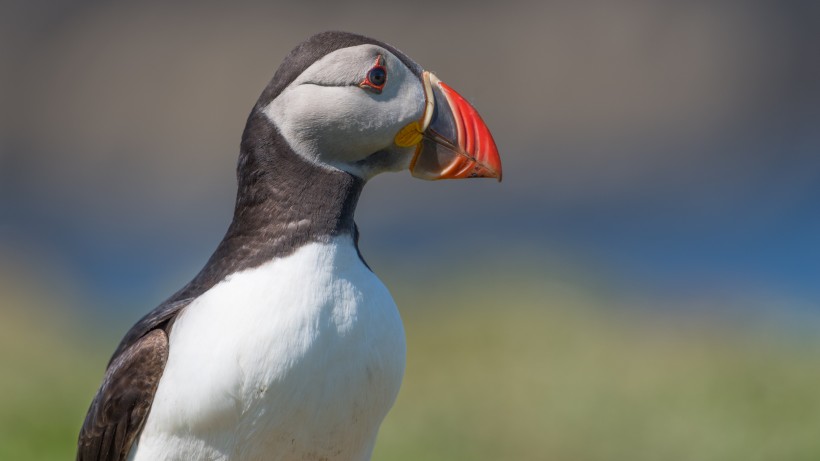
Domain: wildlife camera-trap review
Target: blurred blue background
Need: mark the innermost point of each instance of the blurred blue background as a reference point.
(673, 146)
(656, 154)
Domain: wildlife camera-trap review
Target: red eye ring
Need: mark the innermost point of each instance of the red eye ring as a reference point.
(376, 77)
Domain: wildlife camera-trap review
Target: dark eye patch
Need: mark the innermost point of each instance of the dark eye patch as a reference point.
(376, 77)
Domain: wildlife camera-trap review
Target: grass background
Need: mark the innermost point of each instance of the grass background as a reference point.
(500, 366)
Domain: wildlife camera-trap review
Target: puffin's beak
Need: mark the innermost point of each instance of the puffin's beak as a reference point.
(452, 141)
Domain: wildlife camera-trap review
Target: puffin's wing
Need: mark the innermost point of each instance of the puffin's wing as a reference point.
(121, 406)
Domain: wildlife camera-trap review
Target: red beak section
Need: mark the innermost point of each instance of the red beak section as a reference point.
(457, 143)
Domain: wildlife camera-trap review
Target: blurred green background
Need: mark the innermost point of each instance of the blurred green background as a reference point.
(643, 285)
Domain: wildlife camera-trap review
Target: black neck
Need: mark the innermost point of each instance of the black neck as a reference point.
(283, 202)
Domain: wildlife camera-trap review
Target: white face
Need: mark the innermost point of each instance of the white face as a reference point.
(329, 119)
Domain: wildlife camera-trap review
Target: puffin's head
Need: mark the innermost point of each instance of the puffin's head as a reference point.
(352, 103)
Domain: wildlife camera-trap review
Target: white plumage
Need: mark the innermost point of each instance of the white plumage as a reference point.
(315, 336)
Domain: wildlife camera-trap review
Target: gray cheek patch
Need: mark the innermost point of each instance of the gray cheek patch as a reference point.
(328, 120)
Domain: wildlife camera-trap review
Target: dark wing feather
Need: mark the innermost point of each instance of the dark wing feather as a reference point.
(121, 406)
(124, 399)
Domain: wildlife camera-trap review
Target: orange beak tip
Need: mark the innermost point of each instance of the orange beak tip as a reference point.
(457, 143)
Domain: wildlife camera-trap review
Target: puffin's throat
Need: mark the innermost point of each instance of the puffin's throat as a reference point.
(283, 202)
(282, 196)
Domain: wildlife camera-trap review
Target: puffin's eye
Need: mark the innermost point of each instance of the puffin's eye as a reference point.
(376, 77)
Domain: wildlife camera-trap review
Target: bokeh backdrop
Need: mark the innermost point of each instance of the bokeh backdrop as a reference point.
(643, 285)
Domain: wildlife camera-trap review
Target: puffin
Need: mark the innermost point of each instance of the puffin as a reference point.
(286, 346)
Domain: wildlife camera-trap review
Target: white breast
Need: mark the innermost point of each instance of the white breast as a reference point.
(300, 358)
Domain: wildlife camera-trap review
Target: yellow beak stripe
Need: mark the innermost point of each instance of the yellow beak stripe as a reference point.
(409, 135)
